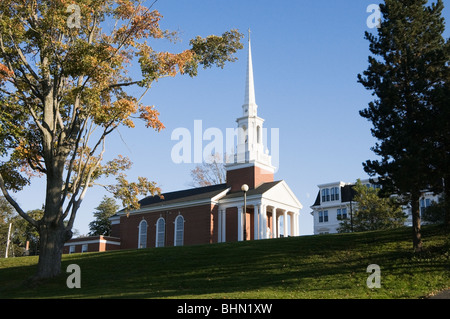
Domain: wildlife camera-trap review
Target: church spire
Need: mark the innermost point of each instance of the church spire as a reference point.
(250, 106)
(251, 163)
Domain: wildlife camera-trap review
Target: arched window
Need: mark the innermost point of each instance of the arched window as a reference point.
(142, 242)
(160, 232)
(179, 231)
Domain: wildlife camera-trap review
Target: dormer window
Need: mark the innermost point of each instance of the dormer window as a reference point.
(335, 193)
(330, 194)
(325, 195)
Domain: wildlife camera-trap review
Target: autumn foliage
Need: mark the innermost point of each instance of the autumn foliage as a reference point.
(64, 89)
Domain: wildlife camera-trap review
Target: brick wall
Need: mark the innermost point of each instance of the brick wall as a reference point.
(94, 244)
(199, 226)
(231, 233)
(115, 230)
(253, 176)
(200, 222)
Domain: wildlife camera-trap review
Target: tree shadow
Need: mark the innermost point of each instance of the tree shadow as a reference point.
(315, 263)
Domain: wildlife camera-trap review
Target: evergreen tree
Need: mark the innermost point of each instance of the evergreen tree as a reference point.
(407, 65)
(372, 212)
(439, 123)
(435, 213)
(102, 225)
(25, 232)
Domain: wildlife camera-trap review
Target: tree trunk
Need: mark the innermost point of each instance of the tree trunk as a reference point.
(52, 239)
(52, 231)
(415, 211)
(447, 201)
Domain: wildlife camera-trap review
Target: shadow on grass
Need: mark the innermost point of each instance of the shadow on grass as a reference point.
(14, 279)
(330, 266)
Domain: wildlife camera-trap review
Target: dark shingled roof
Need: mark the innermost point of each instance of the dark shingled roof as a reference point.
(317, 202)
(200, 193)
(184, 195)
(255, 191)
(347, 193)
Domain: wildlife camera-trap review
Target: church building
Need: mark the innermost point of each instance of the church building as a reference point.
(251, 205)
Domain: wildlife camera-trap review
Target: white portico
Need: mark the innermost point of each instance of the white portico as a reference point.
(272, 212)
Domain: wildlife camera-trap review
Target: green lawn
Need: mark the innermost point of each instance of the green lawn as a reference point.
(326, 266)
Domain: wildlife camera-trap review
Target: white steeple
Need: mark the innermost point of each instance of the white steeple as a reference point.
(250, 107)
(250, 150)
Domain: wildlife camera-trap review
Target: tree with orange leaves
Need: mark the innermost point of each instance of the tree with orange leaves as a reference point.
(63, 80)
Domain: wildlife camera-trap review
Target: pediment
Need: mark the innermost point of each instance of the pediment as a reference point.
(283, 194)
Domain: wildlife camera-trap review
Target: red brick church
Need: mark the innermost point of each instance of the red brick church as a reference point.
(213, 214)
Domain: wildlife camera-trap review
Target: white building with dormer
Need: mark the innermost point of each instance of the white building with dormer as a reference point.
(334, 202)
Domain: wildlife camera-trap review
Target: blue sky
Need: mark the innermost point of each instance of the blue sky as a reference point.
(306, 57)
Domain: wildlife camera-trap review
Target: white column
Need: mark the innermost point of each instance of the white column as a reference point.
(240, 223)
(292, 216)
(266, 223)
(285, 223)
(224, 225)
(262, 223)
(274, 223)
(256, 222)
(219, 226)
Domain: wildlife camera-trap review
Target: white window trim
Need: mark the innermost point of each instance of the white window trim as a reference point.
(140, 234)
(158, 231)
(176, 231)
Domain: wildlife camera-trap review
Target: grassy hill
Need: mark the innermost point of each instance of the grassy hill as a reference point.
(326, 266)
